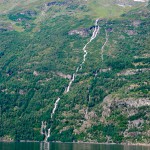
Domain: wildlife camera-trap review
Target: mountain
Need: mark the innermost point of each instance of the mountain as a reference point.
(75, 70)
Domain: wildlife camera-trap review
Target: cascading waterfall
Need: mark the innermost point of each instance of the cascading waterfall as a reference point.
(44, 124)
(85, 54)
(102, 50)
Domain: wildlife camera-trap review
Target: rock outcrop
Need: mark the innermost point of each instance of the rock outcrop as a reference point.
(110, 103)
(133, 71)
(81, 32)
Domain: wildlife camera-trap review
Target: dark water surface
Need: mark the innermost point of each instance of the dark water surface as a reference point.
(67, 146)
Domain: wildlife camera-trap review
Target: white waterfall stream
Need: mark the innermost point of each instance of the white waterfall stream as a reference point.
(102, 49)
(96, 29)
(44, 124)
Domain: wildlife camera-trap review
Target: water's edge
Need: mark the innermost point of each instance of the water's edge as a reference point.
(127, 144)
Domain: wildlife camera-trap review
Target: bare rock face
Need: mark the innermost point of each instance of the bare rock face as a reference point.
(125, 3)
(131, 32)
(22, 92)
(133, 71)
(111, 103)
(64, 75)
(129, 107)
(81, 32)
(105, 70)
(35, 73)
(106, 107)
(84, 32)
(135, 123)
(138, 102)
(87, 121)
(136, 23)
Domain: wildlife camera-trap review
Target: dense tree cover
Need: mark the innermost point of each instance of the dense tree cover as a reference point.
(29, 82)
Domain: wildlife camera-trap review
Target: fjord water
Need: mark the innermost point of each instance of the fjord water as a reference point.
(67, 146)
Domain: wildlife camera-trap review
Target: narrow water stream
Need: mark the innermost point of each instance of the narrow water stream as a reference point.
(44, 124)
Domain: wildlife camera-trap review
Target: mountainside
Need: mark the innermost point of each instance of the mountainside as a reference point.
(75, 70)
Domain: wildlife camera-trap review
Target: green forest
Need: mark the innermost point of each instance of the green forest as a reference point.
(109, 100)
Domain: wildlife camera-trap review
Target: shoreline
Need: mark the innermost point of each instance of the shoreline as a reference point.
(80, 142)
(123, 144)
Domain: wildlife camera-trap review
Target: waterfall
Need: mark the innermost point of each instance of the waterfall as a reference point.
(44, 124)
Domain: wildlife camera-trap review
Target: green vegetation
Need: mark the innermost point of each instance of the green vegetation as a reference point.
(35, 48)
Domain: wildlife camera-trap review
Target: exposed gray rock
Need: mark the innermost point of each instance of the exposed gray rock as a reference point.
(133, 71)
(81, 32)
(131, 32)
(35, 73)
(135, 123)
(64, 75)
(132, 102)
(105, 70)
(136, 23)
(22, 92)
(110, 103)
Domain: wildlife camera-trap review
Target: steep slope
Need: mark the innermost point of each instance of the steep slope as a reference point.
(42, 46)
